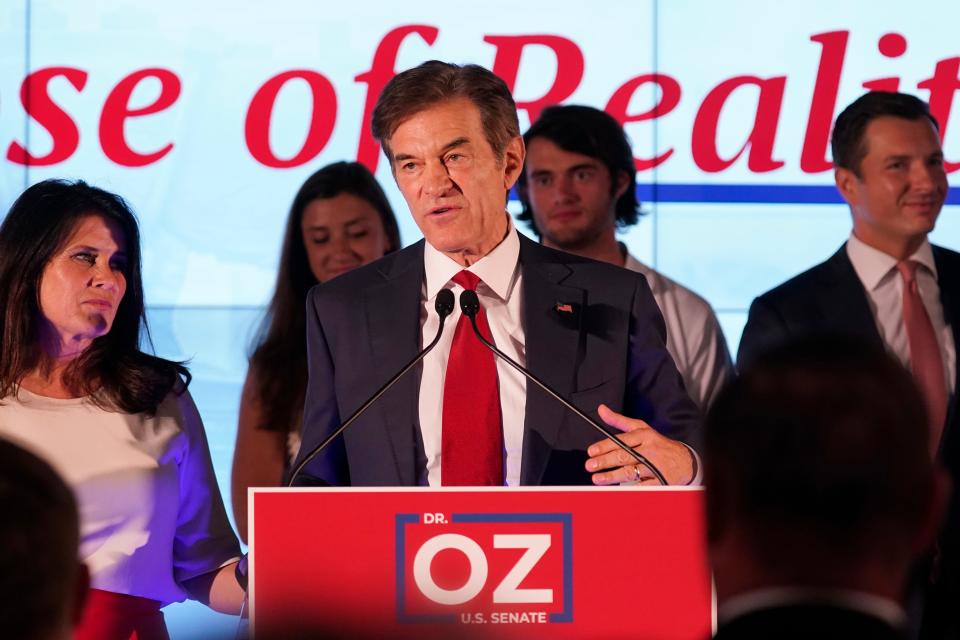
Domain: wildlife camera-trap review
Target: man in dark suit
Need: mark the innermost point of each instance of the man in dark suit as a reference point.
(888, 285)
(821, 493)
(590, 330)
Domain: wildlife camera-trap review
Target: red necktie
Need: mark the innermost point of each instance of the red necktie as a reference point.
(471, 450)
(925, 359)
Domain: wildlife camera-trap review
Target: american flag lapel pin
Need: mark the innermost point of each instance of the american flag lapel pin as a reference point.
(564, 307)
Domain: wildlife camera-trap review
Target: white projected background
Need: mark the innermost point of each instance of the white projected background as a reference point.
(212, 207)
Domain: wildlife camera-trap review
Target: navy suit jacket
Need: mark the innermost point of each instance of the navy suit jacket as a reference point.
(365, 325)
(829, 298)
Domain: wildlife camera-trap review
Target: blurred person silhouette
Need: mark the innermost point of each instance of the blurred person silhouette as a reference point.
(340, 219)
(115, 422)
(42, 583)
(821, 493)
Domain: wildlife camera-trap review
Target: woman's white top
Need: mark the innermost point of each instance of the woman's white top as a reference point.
(151, 515)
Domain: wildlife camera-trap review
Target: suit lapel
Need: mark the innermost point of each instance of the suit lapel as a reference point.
(844, 303)
(392, 311)
(552, 332)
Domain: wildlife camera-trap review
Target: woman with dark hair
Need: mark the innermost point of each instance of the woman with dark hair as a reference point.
(115, 422)
(340, 219)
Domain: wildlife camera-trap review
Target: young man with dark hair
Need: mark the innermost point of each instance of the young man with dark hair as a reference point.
(577, 189)
(890, 286)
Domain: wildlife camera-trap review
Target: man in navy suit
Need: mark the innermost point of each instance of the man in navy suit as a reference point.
(890, 170)
(590, 330)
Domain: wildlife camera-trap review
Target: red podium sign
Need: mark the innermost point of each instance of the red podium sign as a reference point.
(476, 563)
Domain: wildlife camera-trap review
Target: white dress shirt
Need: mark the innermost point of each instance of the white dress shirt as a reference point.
(694, 337)
(500, 293)
(773, 597)
(884, 286)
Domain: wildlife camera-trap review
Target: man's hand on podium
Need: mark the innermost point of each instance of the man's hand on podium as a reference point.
(612, 465)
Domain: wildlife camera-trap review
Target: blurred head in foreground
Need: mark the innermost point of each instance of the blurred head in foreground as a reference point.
(42, 583)
(818, 472)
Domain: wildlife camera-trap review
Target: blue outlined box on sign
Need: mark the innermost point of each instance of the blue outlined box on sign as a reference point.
(484, 568)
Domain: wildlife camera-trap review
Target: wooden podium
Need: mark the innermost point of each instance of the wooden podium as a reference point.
(621, 562)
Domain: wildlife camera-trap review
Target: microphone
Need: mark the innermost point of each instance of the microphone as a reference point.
(444, 307)
(470, 305)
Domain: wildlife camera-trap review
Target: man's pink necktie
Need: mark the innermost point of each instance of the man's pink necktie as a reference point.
(926, 361)
(471, 447)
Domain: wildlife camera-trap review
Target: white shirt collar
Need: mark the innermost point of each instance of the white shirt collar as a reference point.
(632, 264)
(873, 265)
(766, 598)
(497, 269)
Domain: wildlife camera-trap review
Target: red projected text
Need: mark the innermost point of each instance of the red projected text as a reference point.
(758, 145)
